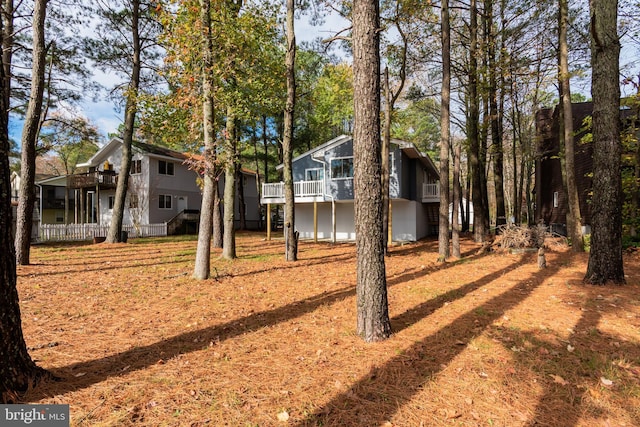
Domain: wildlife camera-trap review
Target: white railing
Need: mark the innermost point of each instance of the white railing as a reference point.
(300, 189)
(273, 190)
(77, 232)
(431, 191)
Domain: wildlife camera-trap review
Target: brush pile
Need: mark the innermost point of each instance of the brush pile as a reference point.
(522, 237)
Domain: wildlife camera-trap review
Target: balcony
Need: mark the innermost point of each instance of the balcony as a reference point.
(431, 193)
(103, 179)
(304, 191)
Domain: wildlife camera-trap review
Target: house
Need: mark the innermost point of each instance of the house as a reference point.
(15, 189)
(467, 206)
(162, 189)
(324, 193)
(551, 204)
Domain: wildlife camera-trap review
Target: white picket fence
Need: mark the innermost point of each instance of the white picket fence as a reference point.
(77, 232)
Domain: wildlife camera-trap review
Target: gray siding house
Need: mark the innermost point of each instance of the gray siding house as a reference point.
(162, 188)
(324, 193)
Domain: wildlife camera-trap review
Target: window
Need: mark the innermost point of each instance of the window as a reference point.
(111, 202)
(555, 199)
(342, 168)
(164, 201)
(133, 201)
(314, 174)
(165, 168)
(136, 167)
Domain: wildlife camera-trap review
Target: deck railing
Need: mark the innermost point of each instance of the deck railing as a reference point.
(78, 232)
(91, 179)
(300, 189)
(431, 191)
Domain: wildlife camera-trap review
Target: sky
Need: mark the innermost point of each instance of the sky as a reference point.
(103, 114)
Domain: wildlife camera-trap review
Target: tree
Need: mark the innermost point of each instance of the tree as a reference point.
(445, 131)
(17, 370)
(72, 140)
(30, 132)
(495, 112)
(205, 231)
(125, 43)
(395, 55)
(290, 235)
(476, 162)
(574, 226)
(230, 174)
(605, 259)
(371, 288)
(115, 227)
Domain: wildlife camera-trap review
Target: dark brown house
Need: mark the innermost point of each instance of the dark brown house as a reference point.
(551, 205)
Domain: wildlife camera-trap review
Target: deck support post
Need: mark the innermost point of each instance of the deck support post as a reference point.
(315, 221)
(333, 220)
(390, 228)
(268, 215)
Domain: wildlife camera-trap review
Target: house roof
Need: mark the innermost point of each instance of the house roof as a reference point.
(149, 149)
(407, 147)
(56, 181)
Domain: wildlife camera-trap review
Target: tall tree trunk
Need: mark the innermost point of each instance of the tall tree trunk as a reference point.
(517, 198)
(290, 235)
(496, 117)
(371, 286)
(242, 206)
(466, 218)
(605, 257)
(7, 53)
(229, 236)
(457, 190)
(574, 225)
(205, 230)
(17, 370)
(445, 134)
(384, 163)
(218, 221)
(473, 134)
(131, 108)
(30, 133)
(256, 159)
(391, 98)
(265, 143)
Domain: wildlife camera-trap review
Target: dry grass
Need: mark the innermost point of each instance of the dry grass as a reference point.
(489, 340)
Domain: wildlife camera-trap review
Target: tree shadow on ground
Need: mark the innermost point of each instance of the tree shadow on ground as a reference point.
(365, 403)
(98, 370)
(594, 355)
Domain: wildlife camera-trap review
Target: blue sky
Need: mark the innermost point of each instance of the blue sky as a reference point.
(103, 113)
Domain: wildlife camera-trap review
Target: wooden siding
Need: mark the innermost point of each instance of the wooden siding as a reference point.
(549, 170)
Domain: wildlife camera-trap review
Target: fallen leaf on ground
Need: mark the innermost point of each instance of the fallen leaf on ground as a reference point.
(606, 381)
(558, 379)
(283, 416)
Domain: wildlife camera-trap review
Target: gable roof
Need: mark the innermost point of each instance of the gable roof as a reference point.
(153, 150)
(407, 147)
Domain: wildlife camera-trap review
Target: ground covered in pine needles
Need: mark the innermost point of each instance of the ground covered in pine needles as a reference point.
(488, 340)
